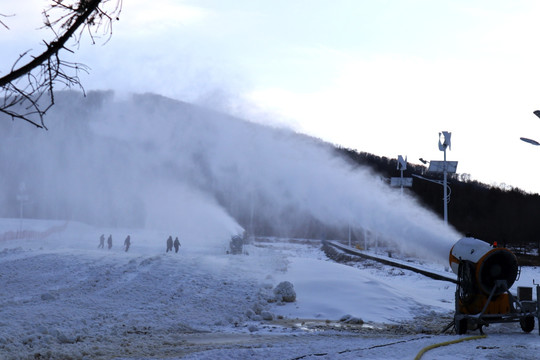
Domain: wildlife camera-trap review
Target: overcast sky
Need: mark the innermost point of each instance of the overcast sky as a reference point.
(378, 76)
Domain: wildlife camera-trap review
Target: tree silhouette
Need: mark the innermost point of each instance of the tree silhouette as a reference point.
(27, 90)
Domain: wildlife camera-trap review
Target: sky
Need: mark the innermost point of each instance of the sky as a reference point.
(383, 77)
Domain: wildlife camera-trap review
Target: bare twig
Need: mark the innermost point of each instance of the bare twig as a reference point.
(3, 23)
(24, 87)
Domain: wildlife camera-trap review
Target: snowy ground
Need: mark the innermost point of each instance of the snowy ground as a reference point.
(63, 298)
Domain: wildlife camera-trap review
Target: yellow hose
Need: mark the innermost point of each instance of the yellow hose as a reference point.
(427, 348)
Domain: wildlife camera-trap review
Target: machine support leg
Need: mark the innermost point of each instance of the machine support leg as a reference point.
(498, 284)
(538, 306)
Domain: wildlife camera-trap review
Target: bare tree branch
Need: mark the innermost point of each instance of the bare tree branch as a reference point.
(3, 23)
(24, 87)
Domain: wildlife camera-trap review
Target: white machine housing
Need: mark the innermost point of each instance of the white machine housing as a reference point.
(490, 263)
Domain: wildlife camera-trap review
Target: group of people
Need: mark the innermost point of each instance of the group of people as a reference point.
(127, 242)
(170, 244)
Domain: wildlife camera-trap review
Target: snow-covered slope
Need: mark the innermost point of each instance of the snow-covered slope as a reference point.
(63, 298)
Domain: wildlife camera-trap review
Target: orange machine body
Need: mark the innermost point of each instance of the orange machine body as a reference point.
(482, 265)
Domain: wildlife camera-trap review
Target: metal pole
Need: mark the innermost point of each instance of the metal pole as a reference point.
(365, 239)
(538, 306)
(401, 182)
(445, 191)
(252, 233)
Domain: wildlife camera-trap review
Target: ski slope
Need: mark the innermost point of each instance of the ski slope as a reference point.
(63, 298)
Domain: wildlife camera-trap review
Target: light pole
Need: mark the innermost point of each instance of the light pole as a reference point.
(531, 141)
(444, 167)
(445, 143)
(535, 143)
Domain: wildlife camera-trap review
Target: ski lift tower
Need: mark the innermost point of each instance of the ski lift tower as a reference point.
(444, 167)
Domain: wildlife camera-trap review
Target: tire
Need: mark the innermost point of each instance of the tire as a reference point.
(527, 323)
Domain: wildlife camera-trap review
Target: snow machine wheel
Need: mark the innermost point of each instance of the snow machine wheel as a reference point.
(527, 323)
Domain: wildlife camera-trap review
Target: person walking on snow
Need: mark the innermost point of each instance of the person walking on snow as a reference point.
(101, 241)
(176, 244)
(127, 242)
(169, 244)
(109, 242)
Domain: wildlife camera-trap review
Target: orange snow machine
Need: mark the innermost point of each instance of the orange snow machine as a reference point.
(485, 274)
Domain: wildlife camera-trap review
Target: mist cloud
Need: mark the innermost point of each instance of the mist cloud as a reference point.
(151, 161)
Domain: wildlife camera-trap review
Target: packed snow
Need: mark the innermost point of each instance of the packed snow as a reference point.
(64, 298)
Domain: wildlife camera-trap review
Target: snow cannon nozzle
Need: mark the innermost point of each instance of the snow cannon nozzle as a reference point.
(485, 265)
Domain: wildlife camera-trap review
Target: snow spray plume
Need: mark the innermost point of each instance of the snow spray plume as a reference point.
(148, 160)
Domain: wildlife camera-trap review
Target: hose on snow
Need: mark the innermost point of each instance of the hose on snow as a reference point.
(433, 346)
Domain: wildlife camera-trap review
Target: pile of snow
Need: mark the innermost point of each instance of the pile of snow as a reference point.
(284, 291)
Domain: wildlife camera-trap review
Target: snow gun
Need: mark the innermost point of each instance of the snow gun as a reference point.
(485, 274)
